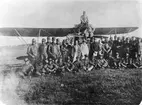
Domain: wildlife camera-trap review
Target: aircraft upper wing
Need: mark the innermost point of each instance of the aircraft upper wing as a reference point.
(35, 32)
(58, 32)
(114, 30)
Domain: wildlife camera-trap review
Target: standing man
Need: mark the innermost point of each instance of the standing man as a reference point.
(53, 52)
(140, 49)
(48, 44)
(84, 48)
(92, 48)
(113, 48)
(42, 51)
(32, 52)
(58, 46)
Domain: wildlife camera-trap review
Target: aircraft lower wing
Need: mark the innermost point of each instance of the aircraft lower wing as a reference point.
(60, 32)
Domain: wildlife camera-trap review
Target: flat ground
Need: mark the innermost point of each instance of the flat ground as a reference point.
(98, 87)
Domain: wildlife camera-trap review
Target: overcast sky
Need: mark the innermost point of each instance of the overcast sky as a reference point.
(45, 13)
(57, 13)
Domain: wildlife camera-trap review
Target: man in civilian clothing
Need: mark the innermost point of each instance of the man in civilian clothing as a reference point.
(84, 49)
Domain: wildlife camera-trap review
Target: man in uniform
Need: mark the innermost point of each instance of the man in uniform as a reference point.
(70, 50)
(87, 65)
(133, 49)
(60, 65)
(140, 50)
(48, 44)
(77, 65)
(50, 67)
(27, 68)
(43, 51)
(101, 62)
(53, 52)
(32, 52)
(113, 48)
(106, 50)
(69, 65)
(58, 47)
(93, 48)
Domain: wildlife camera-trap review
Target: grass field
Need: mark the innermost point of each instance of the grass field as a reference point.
(98, 87)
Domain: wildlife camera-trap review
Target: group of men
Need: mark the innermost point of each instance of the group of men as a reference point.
(83, 54)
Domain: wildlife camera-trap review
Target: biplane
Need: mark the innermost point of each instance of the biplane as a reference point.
(61, 32)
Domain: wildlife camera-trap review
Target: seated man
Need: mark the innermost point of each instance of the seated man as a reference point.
(87, 65)
(27, 68)
(128, 62)
(60, 65)
(111, 61)
(77, 65)
(69, 65)
(101, 62)
(94, 61)
(50, 67)
(39, 68)
(83, 23)
(84, 18)
(116, 62)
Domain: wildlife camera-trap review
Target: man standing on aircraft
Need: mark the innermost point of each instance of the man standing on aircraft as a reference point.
(84, 18)
(32, 52)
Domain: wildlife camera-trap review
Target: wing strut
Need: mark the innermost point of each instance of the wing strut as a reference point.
(38, 35)
(129, 31)
(110, 31)
(46, 32)
(20, 36)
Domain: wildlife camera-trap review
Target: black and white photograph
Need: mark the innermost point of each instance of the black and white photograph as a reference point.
(70, 52)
